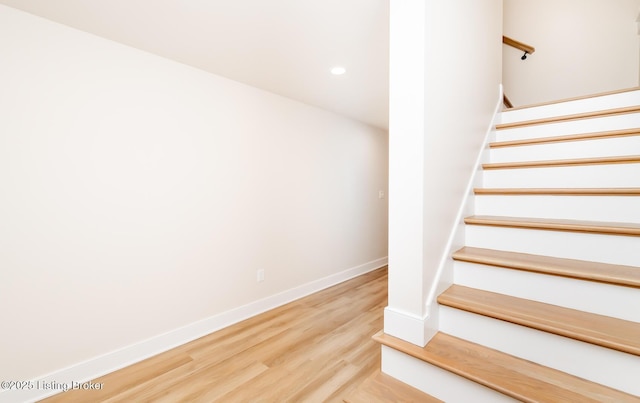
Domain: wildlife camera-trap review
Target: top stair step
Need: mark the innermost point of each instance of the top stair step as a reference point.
(607, 100)
(520, 379)
(567, 118)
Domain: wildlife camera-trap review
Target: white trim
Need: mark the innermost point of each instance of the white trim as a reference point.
(115, 360)
(457, 231)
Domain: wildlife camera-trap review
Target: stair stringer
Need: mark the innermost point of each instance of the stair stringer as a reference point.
(444, 276)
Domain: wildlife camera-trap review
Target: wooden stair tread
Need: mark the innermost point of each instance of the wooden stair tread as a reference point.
(584, 270)
(626, 159)
(565, 138)
(566, 118)
(559, 191)
(597, 227)
(617, 334)
(380, 387)
(512, 376)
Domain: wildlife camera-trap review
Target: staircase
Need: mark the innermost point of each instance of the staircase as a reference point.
(545, 301)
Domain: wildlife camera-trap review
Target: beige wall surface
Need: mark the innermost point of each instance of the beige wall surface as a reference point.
(582, 47)
(139, 195)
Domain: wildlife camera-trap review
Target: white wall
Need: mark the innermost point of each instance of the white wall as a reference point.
(139, 195)
(444, 87)
(582, 47)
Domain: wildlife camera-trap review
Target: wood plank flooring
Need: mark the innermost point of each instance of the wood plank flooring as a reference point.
(383, 388)
(315, 349)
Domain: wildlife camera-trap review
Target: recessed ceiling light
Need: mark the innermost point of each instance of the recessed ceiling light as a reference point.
(338, 70)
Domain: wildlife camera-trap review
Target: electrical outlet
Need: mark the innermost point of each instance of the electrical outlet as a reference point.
(260, 275)
(380, 194)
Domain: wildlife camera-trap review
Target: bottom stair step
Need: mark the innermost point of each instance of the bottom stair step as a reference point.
(380, 387)
(512, 376)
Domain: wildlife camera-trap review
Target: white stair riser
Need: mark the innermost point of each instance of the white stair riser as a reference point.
(615, 301)
(581, 359)
(436, 381)
(585, 176)
(614, 249)
(612, 101)
(592, 208)
(593, 125)
(607, 147)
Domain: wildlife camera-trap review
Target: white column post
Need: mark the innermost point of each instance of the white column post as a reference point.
(404, 316)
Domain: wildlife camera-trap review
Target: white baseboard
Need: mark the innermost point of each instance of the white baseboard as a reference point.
(115, 360)
(409, 327)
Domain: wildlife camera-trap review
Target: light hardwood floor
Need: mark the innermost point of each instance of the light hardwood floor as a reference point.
(315, 349)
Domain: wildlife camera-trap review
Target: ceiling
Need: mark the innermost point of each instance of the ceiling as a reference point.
(284, 46)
